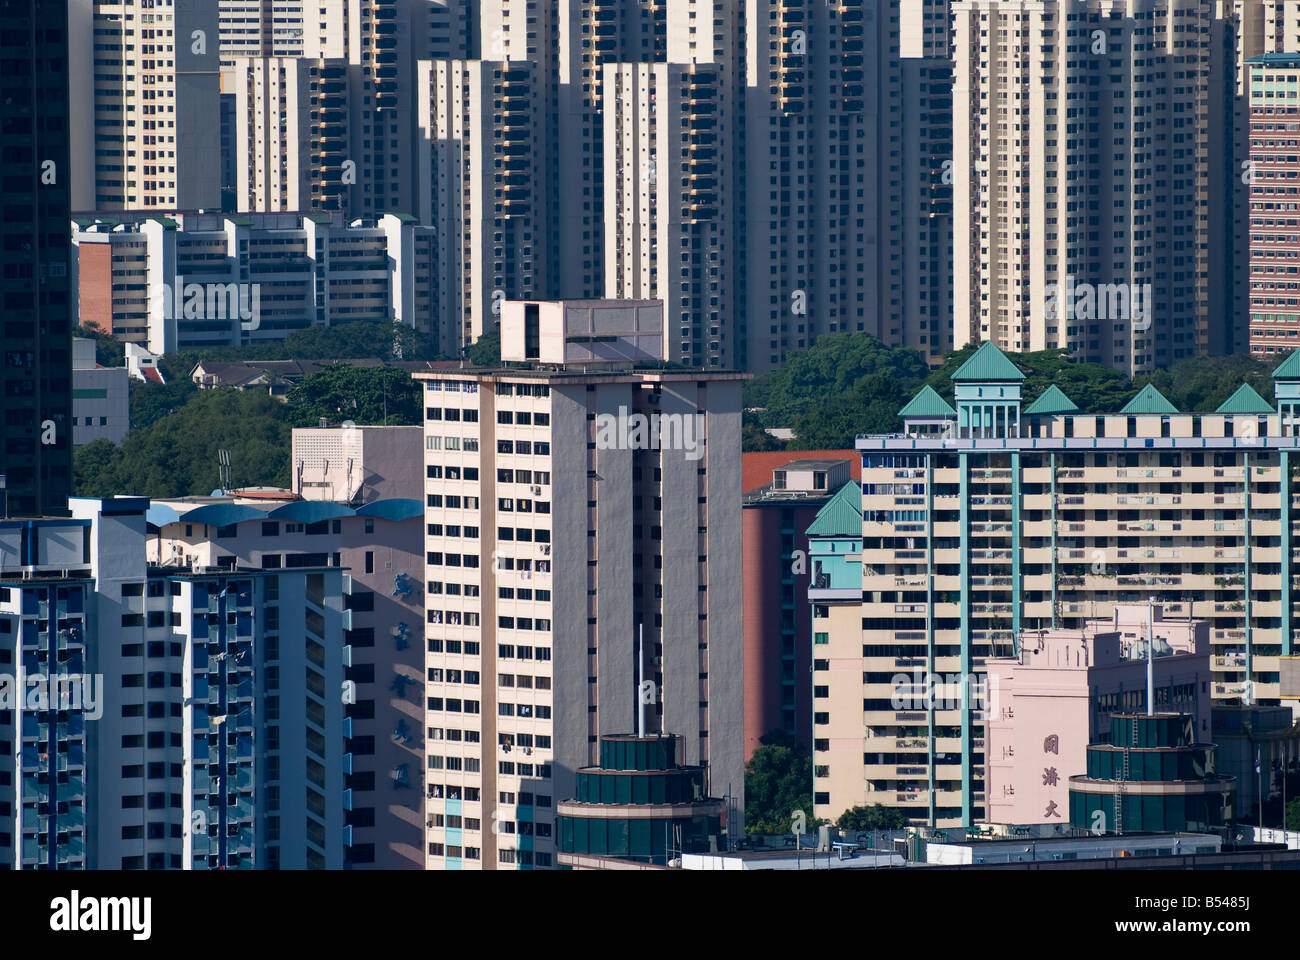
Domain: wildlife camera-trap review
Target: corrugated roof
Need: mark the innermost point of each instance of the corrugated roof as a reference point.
(842, 514)
(927, 403)
(1149, 401)
(1245, 399)
(988, 363)
(1052, 401)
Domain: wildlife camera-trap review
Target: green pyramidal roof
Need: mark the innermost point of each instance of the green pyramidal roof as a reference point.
(1052, 401)
(1289, 369)
(841, 515)
(1149, 401)
(988, 363)
(1245, 400)
(927, 403)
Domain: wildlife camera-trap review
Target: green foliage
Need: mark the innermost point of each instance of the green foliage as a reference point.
(1201, 384)
(753, 437)
(150, 402)
(874, 817)
(778, 781)
(363, 340)
(109, 352)
(383, 395)
(843, 385)
(486, 350)
(1293, 815)
(176, 455)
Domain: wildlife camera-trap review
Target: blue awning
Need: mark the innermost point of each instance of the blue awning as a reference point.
(310, 511)
(394, 508)
(222, 514)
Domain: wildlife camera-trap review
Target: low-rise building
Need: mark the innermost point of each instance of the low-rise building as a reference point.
(101, 405)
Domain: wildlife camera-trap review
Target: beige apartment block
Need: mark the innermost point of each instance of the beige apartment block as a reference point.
(1091, 147)
(989, 517)
(553, 547)
(145, 97)
(292, 150)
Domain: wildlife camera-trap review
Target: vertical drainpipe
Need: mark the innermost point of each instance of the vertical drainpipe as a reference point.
(1245, 492)
(967, 781)
(929, 623)
(222, 794)
(1015, 552)
(1052, 466)
(1284, 492)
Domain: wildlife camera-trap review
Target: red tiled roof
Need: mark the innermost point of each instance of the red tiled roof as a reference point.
(151, 373)
(756, 468)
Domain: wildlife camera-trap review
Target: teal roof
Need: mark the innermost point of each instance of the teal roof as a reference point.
(1245, 400)
(927, 403)
(841, 515)
(988, 363)
(310, 511)
(395, 508)
(1149, 401)
(1052, 401)
(1289, 369)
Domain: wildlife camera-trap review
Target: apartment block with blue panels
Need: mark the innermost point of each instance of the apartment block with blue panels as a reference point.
(193, 717)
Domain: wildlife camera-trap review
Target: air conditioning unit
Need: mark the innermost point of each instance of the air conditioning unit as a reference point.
(528, 751)
(546, 549)
(537, 491)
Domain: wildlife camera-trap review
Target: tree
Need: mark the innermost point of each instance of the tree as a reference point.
(486, 350)
(1292, 821)
(1201, 384)
(177, 454)
(381, 395)
(778, 782)
(874, 817)
(842, 385)
(753, 437)
(109, 352)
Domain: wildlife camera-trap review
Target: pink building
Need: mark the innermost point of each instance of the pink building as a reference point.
(1058, 695)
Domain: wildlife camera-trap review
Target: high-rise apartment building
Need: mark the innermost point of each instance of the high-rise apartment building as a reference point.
(36, 431)
(997, 516)
(290, 135)
(484, 142)
(572, 513)
(168, 717)
(1274, 196)
(207, 279)
(671, 201)
(145, 77)
(372, 541)
(261, 28)
(1090, 178)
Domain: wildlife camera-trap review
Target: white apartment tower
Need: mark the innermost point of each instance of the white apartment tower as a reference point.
(1089, 172)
